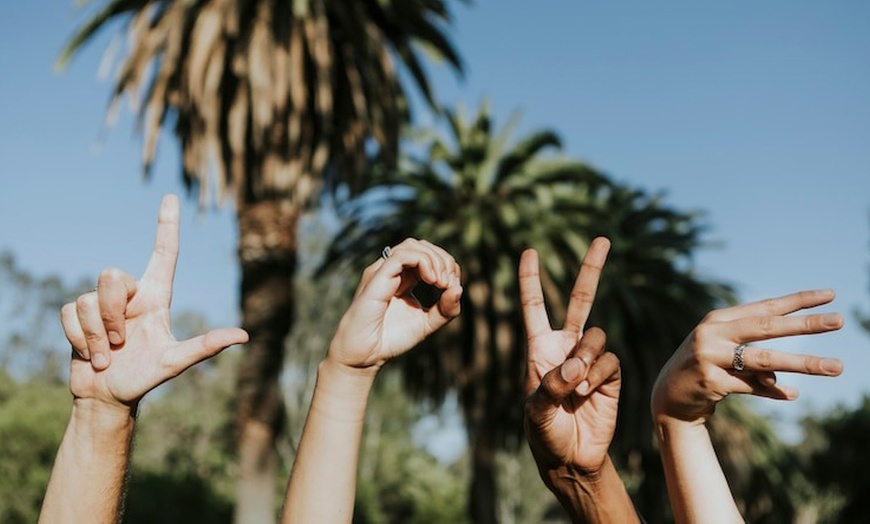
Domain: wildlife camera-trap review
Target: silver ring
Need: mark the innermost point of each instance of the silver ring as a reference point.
(385, 254)
(737, 363)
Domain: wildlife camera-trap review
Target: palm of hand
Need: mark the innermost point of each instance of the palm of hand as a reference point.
(578, 432)
(379, 331)
(138, 365)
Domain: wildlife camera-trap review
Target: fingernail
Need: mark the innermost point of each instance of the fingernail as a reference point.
(832, 320)
(583, 388)
(571, 369)
(100, 361)
(791, 393)
(114, 337)
(445, 278)
(831, 365)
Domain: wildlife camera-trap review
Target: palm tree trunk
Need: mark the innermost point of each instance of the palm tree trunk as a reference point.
(483, 494)
(483, 490)
(267, 251)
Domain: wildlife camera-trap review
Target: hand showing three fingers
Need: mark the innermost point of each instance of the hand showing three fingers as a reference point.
(572, 387)
(385, 319)
(120, 334)
(701, 372)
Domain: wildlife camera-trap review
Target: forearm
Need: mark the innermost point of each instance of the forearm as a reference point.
(323, 481)
(87, 480)
(591, 498)
(697, 487)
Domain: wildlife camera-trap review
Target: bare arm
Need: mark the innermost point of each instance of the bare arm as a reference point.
(383, 321)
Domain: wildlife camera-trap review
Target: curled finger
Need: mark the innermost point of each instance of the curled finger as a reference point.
(605, 370)
(73, 330)
(114, 290)
(88, 312)
(555, 387)
(590, 345)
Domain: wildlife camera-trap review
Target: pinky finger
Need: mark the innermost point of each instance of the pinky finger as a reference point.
(760, 386)
(73, 330)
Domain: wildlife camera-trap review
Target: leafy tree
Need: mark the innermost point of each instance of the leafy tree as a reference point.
(837, 462)
(269, 101)
(399, 481)
(765, 475)
(33, 416)
(31, 333)
(484, 198)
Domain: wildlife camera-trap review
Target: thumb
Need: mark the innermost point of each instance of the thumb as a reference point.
(194, 350)
(556, 385)
(446, 309)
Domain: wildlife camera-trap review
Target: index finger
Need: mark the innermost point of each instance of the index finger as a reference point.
(532, 295)
(775, 306)
(161, 266)
(583, 294)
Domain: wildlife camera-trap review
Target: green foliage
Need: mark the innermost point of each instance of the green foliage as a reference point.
(764, 473)
(837, 461)
(185, 437)
(399, 481)
(33, 341)
(33, 415)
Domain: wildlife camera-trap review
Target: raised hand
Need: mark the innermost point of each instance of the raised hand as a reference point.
(706, 367)
(385, 319)
(572, 388)
(572, 385)
(122, 342)
(714, 361)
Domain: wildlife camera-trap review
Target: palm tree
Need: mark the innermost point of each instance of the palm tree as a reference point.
(271, 100)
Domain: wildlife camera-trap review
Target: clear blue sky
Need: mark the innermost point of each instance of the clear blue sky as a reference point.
(756, 112)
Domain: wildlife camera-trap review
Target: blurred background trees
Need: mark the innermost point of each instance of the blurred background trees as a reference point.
(272, 102)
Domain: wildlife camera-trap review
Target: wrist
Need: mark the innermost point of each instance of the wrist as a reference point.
(101, 413)
(342, 391)
(591, 494)
(669, 428)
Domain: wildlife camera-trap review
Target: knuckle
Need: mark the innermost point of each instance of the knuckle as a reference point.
(595, 337)
(68, 310)
(765, 325)
(700, 336)
(712, 316)
(763, 359)
(811, 365)
(86, 301)
(110, 274)
(770, 305)
(583, 295)
(533, 301)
